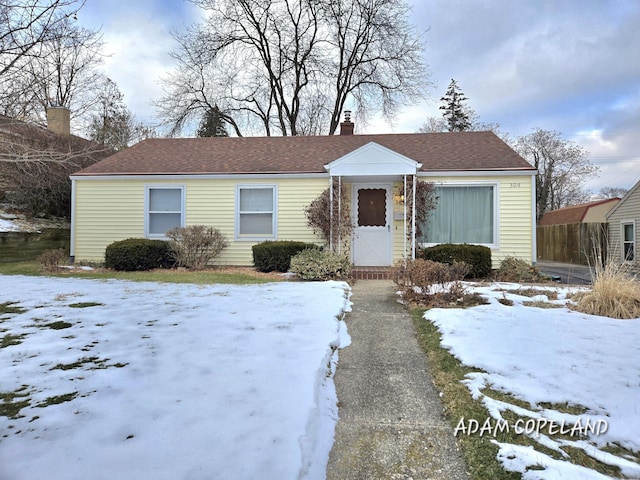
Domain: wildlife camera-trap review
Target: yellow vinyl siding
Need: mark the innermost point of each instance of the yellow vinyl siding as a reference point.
(515, 221)
(110, 210)
(107, 210)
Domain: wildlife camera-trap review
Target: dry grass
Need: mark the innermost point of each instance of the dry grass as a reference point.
(615, 293)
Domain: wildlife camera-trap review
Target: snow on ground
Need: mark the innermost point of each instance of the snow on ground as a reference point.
(169, 381)
(550, 355)
(8, 226)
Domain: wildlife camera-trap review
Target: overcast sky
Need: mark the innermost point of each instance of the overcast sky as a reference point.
(566, 65)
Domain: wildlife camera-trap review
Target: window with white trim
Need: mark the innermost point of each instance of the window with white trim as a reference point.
(463, 214)
(256, 212)
(628, 241)
(164, 209)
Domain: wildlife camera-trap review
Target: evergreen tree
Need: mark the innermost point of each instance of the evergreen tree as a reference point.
(213, 124)
(454, 110)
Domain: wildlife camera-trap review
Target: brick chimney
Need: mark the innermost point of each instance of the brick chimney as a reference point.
(346, 127)
(59, 120)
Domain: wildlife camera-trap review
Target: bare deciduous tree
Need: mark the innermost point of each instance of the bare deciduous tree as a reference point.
(612, 192)
(35, 165)
(289, 67)
(562, 165)
(63, 73)
(25, 25)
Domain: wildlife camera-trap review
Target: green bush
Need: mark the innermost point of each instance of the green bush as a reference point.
(270, 256)
(478, 256)
(315, 264)
(136, 254)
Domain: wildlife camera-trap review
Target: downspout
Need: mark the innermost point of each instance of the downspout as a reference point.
(534, 239)
(72, 232)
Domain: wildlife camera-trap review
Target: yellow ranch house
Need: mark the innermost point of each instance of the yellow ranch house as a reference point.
(256, 188)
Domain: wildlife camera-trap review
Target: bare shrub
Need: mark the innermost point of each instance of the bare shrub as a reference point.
(335, 228)
(195, 246)
(431, 283)
(615, 293)
(513, 269)
(50, 260)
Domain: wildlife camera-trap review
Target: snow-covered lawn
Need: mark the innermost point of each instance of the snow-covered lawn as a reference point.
(129, 380)
(549, 356)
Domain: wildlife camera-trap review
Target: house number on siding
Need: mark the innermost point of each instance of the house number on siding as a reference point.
(515, 185)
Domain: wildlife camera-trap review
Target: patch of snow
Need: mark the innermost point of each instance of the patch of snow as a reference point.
(554, 356)
(8, 226)
(170, 381)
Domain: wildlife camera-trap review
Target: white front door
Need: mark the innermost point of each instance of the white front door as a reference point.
(371, 207)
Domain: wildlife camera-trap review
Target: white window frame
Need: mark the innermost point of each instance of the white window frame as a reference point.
(148, 212)
(274, 212)
(496, 210)
(623, 223)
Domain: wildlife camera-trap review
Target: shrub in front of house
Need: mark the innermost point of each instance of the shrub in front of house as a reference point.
(194, 246)
(478, 256)
(269, 256)
(429, 283)
(51, 260)
(316, 264)
(513, 269)
(137, 254)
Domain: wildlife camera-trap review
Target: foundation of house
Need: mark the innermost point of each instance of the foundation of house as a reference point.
(371, 273)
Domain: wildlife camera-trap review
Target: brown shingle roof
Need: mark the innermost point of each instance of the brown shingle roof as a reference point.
(303, 154)
(571, 214)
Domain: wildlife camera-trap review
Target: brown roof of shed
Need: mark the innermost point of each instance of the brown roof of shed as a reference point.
(571, 214)
(305, 154)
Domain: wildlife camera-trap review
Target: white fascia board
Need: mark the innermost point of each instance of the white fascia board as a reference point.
(372, 159)
(177, 177)
(478, 173)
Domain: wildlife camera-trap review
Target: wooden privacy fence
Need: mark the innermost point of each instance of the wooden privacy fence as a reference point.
(574, 243)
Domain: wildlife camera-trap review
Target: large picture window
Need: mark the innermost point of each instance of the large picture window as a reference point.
(164, 210)
(256, 212)
(463, 214)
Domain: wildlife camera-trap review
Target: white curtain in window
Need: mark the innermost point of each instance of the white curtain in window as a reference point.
(462, 215)
(165, 199)
(256, 211)
(256, 200)
(164, 210)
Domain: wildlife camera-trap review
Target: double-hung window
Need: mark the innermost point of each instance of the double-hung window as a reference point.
(164, 209)
(628, 241)
(463, 214)
(256, 210)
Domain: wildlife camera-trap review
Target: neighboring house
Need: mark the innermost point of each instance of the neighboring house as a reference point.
(33, 157)
(575, 234)
(624, 220)
(591, 212)
(255, 189)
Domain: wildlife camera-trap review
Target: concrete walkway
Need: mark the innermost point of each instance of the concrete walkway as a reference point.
(391, 422)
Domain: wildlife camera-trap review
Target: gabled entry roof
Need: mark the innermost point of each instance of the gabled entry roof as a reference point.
(372, 159)
(456, 151)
